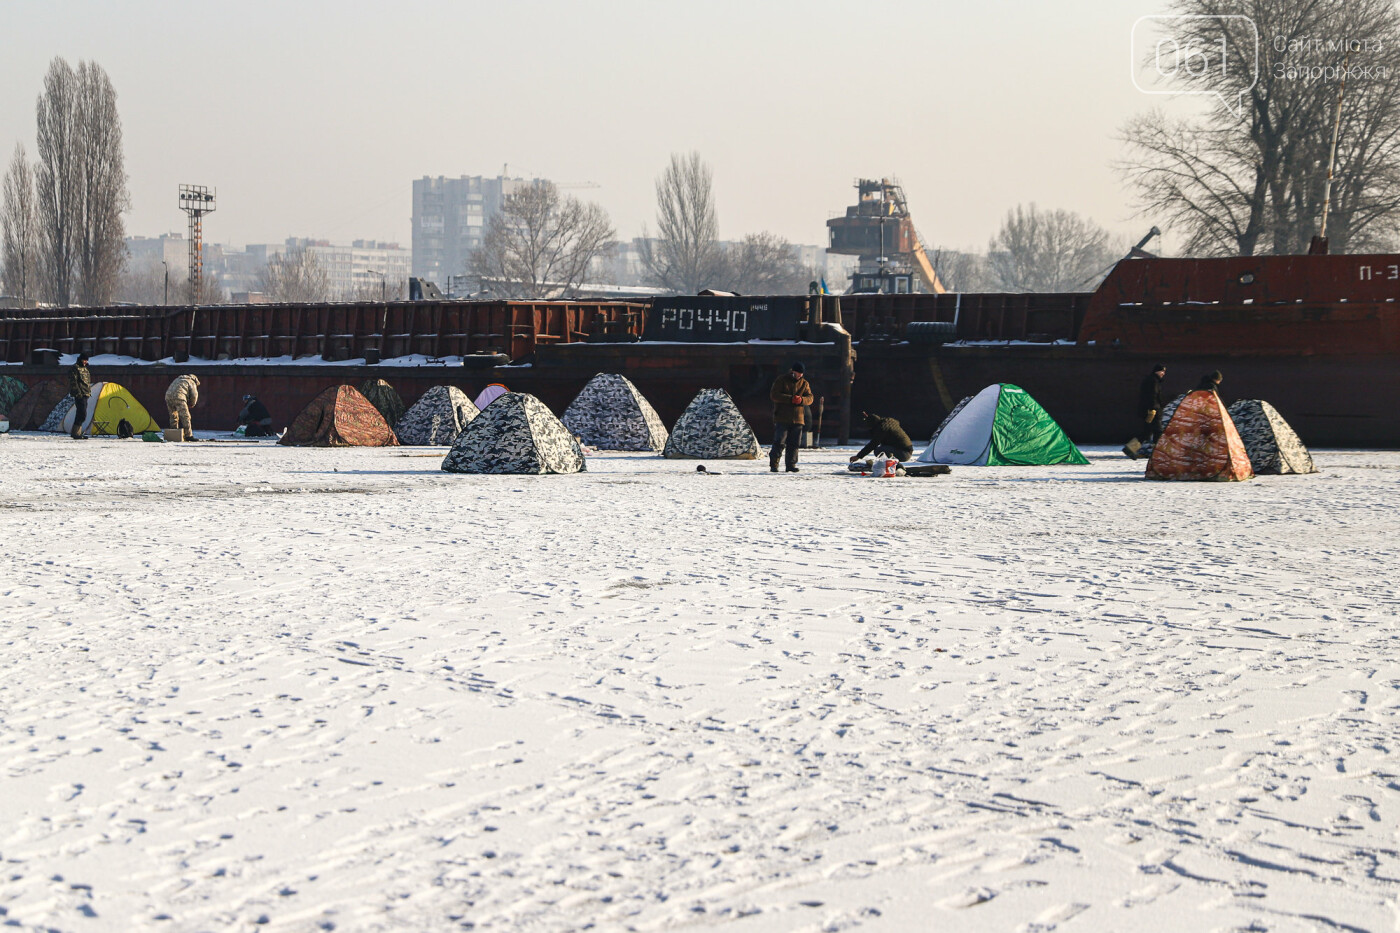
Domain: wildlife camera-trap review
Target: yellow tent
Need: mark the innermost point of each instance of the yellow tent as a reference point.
(112, 403)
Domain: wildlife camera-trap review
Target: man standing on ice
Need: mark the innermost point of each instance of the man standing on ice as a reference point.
(791, 394)
(80, 387)
(182, 395)
(1150, 403)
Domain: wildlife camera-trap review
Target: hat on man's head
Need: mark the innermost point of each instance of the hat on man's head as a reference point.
(798, 367)
(1159, 367)
(248, 397)
(82, 357)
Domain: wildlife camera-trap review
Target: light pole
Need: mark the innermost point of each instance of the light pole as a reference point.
(167, 281)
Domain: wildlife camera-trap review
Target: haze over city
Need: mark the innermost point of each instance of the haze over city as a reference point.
(312, 119)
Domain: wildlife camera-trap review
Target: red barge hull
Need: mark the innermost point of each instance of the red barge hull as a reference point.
(1317, 336)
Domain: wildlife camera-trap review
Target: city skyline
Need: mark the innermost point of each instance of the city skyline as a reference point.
(975, 110)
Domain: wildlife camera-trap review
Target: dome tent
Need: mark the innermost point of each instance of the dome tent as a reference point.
(339, 417)
(436, 418)
(1001, 426)
(33, 408)
(1200, 443)
(489, 394)
(384, 398)
(712, 428)
(11, 391)
(516, 433)
(110, 405)
(1271, 443)
(611, 414)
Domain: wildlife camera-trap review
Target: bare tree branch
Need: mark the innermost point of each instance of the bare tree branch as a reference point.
(541, 244)
(685, 256)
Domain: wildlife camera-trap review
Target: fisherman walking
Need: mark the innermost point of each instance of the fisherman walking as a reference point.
(1149, 409)
(791, 394)
(80, 388)
(182, 395)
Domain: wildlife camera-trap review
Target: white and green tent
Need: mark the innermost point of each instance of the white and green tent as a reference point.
(1001, 426)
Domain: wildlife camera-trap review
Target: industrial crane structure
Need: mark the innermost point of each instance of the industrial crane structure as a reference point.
(880, 230)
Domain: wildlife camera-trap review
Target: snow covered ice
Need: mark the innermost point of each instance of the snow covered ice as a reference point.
(253, 687)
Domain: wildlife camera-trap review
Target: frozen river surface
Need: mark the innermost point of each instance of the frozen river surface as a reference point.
(248, 687)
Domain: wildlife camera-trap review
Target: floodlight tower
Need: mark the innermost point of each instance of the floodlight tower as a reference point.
(196, 200)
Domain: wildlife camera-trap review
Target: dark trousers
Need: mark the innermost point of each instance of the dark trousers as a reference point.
(1151, 430)
(79, 415)
(258, 429)
(785, 437)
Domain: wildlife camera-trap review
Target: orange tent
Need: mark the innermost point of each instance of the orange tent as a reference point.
(340, 417)
(1200, 443)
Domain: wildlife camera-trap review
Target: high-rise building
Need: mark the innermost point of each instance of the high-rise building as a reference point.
(449, 220)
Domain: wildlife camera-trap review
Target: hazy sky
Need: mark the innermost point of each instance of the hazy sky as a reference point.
(313, 118)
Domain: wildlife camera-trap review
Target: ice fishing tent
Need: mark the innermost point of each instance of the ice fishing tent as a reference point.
(437, 418)
(385, 399)
(60, 420)
(1001, 426)
(110, 405)
(339, 417)
(611, 414)
(31, 409)
(11, 391)
(1269, 441)
(516, 433)
(1200, 443)
(489, 394)
(60, 412)
(711, 428)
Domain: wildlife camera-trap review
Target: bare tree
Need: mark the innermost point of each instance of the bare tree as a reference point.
(19, 228)
(765, 264)
(960, 270)
(1048, 251)
(142, 284)
(540, 244)
(386, 290)
(295, 275)
(81, 184)
(1255, 182)
(685, 255)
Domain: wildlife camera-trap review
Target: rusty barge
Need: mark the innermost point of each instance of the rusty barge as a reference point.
(1318, 336)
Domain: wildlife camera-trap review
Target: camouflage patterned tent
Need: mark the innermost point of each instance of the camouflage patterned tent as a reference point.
(339, 417)
(516, 433)
(31, 410)
(711, 428)
(1200, 443)
(436, 418)
(11, 391)
(1271, 443)
(611, 414)
(383, 397)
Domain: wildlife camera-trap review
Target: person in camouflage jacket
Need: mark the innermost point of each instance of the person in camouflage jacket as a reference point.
(182, 395)
(80, 388)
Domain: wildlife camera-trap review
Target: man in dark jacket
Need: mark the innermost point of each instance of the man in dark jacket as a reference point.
(887, 439)
(80, 388)
(1211, 382)
(1149, 411)
(791, 394)
(256, 417)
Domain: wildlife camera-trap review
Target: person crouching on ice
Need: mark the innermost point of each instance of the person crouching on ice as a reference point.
(255, 417)
(182, 395)
(887, 439)
(791, 394)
